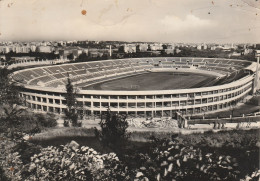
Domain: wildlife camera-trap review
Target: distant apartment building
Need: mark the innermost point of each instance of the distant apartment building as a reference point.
(257, 53)
(202, 47)
(93, 52)
(22, 59)
(247, 51)
(6, 50)
(44, 49)
(21, 49)
(1, 49)
(170, 46)
(100, 53)
(169, 51)
(142, 47)
(235, 54)
(33, 48)
(129, 48)
(213, 48)
(154, 47)
(178, 50)
(74, 51)
(227, 48)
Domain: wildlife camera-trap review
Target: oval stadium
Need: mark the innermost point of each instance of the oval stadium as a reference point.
(140, 87)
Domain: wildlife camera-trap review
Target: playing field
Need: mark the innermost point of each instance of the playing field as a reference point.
(155, 81)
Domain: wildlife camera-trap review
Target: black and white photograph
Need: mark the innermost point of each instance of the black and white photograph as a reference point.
(129, 90)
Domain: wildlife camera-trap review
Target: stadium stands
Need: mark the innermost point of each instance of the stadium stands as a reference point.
(89, 71)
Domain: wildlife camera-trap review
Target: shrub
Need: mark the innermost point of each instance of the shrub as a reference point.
(46, 121)
(72, 162)
(10, 162)
(170, 159)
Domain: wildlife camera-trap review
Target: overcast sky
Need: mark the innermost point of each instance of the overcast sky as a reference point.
(220, 21)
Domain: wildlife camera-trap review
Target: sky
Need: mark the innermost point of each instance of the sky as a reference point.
(172, 21)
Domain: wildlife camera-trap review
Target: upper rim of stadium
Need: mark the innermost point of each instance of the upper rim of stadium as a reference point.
(54, 77)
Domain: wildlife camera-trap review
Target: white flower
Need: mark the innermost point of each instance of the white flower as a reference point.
(178, 163)
(170, 167)
(32, 166)
(72, 155)
(165, 172)
(139, 174)
(72, 166)
(185, 158)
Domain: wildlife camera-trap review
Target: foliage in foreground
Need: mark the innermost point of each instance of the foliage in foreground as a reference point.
(174, 159)
(72, 162)
(170, 159)
(10, 162)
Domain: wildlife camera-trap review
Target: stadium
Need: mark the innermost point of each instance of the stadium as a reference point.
(140, 87)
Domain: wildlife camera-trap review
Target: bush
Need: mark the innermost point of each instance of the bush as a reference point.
(72, 162)
(10, 162)
(170, 159)
(46, 121)
(2, 175)
(26, 150)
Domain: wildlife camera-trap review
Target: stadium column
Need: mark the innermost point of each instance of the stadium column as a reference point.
(91, 105)
(136, 106)
(145, 112)
(256, 77)
(60, 104)
(47, 101)
(117, 104)
(163, 112)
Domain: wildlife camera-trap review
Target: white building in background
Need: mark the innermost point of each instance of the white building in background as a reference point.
(205, 46)
(44, 49)
(257, 53)
(156, 47)
(143, 47)
(129, 48)
(213, 48)
(33, 48)
(6, 49)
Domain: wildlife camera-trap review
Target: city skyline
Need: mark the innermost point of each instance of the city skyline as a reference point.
(118, 20)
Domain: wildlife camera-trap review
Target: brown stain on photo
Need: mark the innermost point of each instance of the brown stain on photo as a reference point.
(83, 12)
(9, 5)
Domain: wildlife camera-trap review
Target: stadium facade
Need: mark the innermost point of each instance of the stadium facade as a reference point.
(44, 87)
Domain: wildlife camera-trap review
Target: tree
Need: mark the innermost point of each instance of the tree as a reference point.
(70, 56)
(9, 90)
(10, 104)
(71, 115)
(15, 119)
(113, 131)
